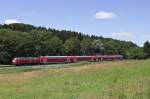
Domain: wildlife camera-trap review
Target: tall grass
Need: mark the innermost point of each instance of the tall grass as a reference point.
(107, 80)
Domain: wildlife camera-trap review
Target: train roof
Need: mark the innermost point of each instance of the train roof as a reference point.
(86, 56)
(25, 57)
(69, 56)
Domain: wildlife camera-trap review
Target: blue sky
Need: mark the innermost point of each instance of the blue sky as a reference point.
(120, 19)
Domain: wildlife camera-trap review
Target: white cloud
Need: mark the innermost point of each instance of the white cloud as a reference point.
(121, 34)
(10, 21)
(104, 15)
(139, 39)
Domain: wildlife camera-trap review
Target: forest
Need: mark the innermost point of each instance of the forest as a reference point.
(24, 40)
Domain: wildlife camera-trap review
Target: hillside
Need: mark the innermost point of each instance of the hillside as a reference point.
(21, 40)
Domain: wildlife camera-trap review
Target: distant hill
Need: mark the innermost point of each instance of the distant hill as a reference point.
(20, 39)
(62, 34)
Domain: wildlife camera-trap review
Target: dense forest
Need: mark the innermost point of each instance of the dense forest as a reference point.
(24, 40)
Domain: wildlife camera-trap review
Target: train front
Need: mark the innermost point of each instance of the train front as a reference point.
(14, 61)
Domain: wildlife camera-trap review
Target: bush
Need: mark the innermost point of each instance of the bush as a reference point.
(135, 53)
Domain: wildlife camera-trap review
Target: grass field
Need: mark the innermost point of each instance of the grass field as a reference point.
(129, 79)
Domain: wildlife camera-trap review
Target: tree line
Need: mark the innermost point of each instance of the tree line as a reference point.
(24, 40)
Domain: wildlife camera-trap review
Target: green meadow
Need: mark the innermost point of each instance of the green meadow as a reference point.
(128, 79)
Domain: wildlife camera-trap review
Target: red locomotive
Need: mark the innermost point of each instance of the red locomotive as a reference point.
(63, 59)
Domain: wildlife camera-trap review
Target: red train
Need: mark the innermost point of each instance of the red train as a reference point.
(63, 59)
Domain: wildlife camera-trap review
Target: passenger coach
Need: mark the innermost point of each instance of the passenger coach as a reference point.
(63, 59)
